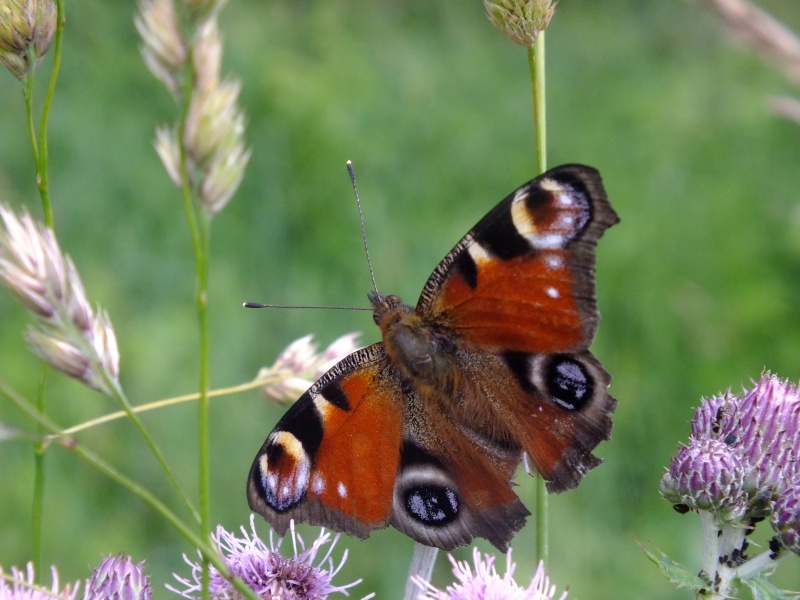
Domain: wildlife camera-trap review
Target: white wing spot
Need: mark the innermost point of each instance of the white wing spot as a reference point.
(554, 261)
(318, 483)
(565, 199)
(342, 490)
(553, 292)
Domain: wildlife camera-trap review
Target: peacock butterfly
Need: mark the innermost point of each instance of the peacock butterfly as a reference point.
(425, 430)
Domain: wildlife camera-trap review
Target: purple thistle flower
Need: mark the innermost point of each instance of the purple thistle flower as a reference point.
(758, 432)
(23, 586)
(767, 429)
(786, 517)
(707, 475)
(713, 415)
(266, 571)
(486, 584)
(118, 578)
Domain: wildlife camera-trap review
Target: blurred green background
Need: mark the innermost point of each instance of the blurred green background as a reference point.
(698, 285)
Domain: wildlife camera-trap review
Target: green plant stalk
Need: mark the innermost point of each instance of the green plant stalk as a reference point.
(537, 72)
(40, 161)
(208, 552)
(27, 92)
(205, 401)
(198, 229)
(128, 408)
(37, 510)
(43, 179)
(536, 63)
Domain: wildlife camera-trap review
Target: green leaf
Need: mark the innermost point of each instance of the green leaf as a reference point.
(678, 575)
(763, 590)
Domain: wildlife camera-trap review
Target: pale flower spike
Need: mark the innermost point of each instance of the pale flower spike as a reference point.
(300, 365)
(69, 336)
(163, 48)
(485, 584)
(213, 138)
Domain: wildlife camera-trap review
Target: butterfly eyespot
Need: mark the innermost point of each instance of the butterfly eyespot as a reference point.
(569, 383)
(285, 470)
(432, 505)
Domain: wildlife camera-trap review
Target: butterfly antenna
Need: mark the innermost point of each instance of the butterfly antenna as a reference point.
(259, 305)
(361, 219)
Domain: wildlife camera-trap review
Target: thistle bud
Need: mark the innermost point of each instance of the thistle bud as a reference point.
(520, 20)
(713, 416)
(707, 475)
(118, 578)
(26, 30)
(786, 517)
(768, 432)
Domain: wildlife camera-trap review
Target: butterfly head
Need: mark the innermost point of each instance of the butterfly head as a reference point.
(387, 310)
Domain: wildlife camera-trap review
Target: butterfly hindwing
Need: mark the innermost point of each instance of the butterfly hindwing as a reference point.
(450, 489)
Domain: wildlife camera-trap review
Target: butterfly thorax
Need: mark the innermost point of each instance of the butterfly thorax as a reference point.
(423, 355)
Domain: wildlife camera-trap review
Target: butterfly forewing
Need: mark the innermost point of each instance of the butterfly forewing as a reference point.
(333, 458)
(523, 278)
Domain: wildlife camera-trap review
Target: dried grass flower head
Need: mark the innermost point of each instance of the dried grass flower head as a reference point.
(305, 575)
(213, 141)
(163, 47)
(68, 335)
(483, 583)
(26, 31)
(22, 586)
(301, 364)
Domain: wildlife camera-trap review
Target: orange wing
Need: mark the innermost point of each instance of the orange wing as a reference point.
(523, 278)
(333, 458)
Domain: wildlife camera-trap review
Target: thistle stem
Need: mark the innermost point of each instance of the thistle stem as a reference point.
(422, 563)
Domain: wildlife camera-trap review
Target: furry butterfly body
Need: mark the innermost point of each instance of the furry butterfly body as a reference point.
(425, 430)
